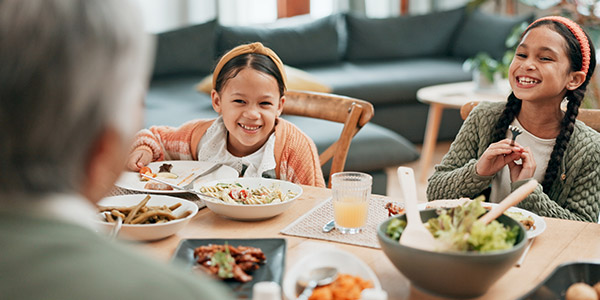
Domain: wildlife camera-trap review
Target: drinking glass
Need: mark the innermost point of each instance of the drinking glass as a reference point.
(351, 193)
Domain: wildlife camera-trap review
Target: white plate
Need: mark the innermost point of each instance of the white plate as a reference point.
(345, 262)
(538, 222)
(182, 168)
(251, 212)
(148, 232)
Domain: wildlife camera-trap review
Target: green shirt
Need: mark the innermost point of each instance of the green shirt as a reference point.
(575, 195)
(51, 259)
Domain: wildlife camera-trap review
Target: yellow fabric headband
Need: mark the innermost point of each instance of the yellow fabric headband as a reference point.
(257, 48)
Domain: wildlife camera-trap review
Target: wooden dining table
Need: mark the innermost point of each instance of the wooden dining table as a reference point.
(562, 241)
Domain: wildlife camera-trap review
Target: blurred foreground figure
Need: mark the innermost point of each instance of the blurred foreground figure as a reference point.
(72, 80)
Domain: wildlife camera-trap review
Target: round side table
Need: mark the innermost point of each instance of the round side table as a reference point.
(440, 97)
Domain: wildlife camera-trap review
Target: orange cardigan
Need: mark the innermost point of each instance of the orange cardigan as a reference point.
(295, 153)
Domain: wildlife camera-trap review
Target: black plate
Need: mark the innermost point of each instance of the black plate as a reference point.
(556, 284)
(272, 270)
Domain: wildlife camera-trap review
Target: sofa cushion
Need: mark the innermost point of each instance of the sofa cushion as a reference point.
(186, 50)
(389, 82)
(174, 100)
(296, 80)
(296, 43)
(483, 32)
(401, 37)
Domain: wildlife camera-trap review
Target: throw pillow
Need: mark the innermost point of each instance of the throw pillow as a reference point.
(296, 80)
(297, 43)
(186, 50)
(483, 32)
(401, 37)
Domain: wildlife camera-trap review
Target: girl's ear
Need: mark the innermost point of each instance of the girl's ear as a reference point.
(280, 108)
(216, 101)
(577, 79)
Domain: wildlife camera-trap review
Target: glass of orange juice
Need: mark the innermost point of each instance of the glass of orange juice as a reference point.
(351, 192)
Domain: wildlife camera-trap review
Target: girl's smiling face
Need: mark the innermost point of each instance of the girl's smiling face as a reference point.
(249, 103)
(541, 69)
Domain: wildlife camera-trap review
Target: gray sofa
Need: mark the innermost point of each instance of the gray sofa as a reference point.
(384, 61)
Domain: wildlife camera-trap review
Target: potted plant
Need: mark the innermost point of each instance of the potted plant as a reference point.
(484, 69)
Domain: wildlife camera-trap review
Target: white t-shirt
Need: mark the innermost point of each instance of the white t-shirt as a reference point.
(541, 149)
(213, 148)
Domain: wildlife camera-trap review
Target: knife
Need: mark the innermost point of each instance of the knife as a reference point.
(201, 195)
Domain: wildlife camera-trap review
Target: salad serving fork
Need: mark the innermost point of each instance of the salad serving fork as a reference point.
(515, 132)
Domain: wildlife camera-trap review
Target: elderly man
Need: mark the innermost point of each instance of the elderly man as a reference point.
(72, 76)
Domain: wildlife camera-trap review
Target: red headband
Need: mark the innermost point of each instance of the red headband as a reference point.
(579, 35)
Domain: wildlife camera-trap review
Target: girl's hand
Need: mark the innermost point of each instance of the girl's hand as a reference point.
(496, 156)
(138, 159)
(525, 170)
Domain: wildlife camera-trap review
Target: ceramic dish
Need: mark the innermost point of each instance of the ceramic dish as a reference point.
(181, 168)
(345, 262)
(272, 270)
(148, 232)
(451, 274)
(251, 212)
(539, 225)
(556, 284)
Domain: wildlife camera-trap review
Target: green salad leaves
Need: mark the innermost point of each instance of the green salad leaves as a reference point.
(457, 229)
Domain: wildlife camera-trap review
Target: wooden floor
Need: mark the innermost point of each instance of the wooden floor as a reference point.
(393, 187)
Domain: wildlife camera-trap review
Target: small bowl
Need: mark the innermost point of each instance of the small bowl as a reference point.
(148, 232)
(327, 256)
(472, 273)
(251, 212)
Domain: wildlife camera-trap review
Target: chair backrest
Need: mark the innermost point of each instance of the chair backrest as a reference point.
(353, 113)
(591, 117)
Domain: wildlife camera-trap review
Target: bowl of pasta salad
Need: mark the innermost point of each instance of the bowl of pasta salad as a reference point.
(249, 199)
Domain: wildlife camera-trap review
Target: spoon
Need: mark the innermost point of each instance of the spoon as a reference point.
(415, 234)
(512, 199)
(329, 226)
(316, 277)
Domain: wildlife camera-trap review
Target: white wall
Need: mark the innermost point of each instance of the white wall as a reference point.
(246, 12)
(162, 15)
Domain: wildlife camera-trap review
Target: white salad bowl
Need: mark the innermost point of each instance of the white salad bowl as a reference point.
(251, 212)
(148, 232)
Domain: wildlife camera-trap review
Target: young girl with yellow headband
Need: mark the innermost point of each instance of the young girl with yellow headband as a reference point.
(249, 84)
(554, 61)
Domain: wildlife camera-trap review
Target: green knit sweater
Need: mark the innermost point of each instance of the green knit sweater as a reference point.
(575, 195)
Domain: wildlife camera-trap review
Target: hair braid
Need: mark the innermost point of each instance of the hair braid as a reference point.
(511, 110)
(562, 140)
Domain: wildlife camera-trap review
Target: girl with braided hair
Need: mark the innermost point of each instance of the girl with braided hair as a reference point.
(553, 63)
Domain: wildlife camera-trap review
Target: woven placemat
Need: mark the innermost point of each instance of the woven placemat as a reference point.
(310, 225)
(117, 191)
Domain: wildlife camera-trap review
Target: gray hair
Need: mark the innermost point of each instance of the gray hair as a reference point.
(69, 69)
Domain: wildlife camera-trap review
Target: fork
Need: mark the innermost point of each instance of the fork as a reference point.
(515, 132)
(190, 185)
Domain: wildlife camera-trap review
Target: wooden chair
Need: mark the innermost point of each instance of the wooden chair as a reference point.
(353, 113)
(591, 117)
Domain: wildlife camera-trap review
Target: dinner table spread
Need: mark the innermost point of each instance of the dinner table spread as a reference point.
(562, 241)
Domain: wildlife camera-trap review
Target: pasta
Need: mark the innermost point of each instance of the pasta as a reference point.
(235, 193)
